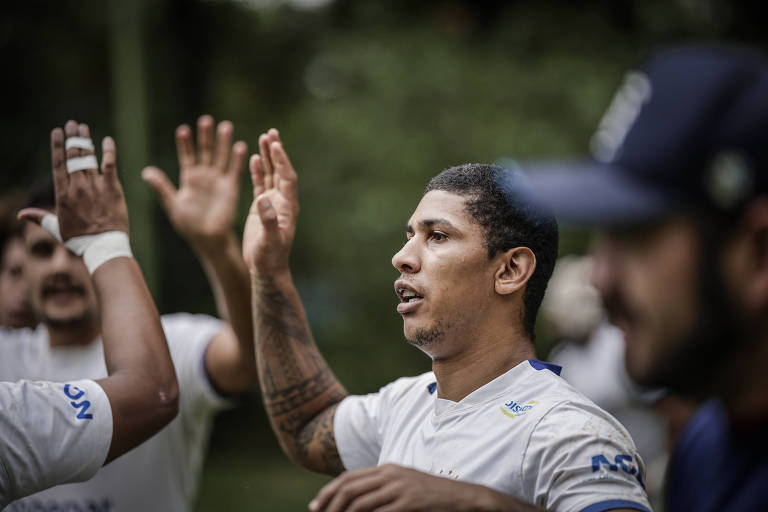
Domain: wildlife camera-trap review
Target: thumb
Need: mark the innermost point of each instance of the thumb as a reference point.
(163, 187)
(44, 218)
(268, 216)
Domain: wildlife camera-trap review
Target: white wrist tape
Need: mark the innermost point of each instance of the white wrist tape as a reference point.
(95, 249)
(82, 163)
(78, 142)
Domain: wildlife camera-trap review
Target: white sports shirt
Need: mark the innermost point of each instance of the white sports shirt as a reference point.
(163, 472)
(527, 433)
(52, 433)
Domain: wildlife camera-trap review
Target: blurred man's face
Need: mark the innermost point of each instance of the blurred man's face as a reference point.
(15, 310)
(60, 287)
(446, 278)
(648, 278)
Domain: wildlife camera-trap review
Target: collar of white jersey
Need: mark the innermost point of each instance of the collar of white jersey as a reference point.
(495, 389)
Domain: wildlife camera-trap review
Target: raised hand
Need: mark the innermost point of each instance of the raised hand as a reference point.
(87, 202)
(271, 223)
(203, 208)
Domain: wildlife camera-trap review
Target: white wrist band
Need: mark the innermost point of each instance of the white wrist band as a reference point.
(95, 249)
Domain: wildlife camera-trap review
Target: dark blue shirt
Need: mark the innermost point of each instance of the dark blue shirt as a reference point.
(717, 468)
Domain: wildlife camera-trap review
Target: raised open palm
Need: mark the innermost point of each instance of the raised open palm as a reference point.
(271, 223)
(205, 204)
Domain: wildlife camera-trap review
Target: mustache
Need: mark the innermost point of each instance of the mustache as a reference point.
(58, 283)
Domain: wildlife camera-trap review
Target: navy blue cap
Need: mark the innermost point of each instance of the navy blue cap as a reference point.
(689, 128)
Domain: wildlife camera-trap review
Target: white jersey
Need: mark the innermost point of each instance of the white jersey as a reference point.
(163, 472)
(527, 433)
(52, 433)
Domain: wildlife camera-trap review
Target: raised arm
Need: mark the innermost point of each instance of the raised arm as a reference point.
(93, 222)
(300, 391)
(203, 211)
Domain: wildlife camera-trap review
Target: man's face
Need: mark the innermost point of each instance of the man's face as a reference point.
(648, 278)
(15, 310)
(446, 277)
(60, 287)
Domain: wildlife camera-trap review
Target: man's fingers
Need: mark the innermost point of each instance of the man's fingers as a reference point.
(329, 490)
(266, 160)
(205, 139)
(223, 143)
(285, 175)
(185, 149)
(58, 160)
(237, 160)
(161, 184)
(257, 175)
(71, 129)
(360, 493)
(109, 159)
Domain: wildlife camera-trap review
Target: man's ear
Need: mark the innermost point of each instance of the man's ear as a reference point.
(755, 232)
(515, 268)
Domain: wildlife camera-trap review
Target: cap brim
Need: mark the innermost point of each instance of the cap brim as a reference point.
(590, 193)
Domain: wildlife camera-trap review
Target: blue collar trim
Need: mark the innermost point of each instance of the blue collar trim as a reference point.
(543, 365)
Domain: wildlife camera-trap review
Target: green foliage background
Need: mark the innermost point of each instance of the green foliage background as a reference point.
(372, 98)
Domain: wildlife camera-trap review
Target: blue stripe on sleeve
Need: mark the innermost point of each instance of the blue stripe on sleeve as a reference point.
(613, 504)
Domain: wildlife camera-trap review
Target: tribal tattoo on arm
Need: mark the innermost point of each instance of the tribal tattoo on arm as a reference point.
(300, 392)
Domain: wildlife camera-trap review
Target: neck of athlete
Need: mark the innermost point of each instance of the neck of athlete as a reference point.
(497, 346)
(73, 335)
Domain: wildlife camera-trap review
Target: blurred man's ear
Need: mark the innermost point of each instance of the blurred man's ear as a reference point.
(515, 268)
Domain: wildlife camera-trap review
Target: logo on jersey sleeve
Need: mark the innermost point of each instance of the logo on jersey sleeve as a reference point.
(514, 409)
(621, 462)
(75, 393)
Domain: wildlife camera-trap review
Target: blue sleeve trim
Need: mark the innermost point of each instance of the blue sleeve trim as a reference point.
(614, 504)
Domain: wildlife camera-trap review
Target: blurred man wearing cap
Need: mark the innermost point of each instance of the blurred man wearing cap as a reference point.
(679, 184)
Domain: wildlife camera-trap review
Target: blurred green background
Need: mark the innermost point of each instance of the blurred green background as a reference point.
(372, 98)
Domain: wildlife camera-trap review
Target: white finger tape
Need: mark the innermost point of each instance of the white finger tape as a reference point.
(95, 249)
(78, 142)
(82, 163)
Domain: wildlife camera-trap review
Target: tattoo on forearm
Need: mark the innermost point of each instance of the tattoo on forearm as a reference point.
(298, 387)
(319, 434)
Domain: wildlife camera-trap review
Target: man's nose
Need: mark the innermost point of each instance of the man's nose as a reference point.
(406, 260)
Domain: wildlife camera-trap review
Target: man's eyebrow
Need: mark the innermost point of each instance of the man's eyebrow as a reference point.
(430, 223)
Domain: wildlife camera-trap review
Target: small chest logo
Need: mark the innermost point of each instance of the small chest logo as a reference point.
(514, 409)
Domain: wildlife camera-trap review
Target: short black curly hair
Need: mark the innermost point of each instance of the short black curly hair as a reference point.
(498, 200)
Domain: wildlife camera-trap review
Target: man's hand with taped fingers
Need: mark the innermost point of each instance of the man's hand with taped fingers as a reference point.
(87, 202)
(391, 488)
(271, 223)
(204, 207)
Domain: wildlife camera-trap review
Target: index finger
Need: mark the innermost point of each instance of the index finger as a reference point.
(58, 161)
(329, 490)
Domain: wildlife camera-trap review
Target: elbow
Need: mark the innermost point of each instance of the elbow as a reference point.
(166, 403)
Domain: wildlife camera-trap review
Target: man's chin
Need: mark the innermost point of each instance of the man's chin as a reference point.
(67, 321)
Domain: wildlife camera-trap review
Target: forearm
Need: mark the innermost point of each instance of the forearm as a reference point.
(228, 276)
(296, 382)
(142, 384)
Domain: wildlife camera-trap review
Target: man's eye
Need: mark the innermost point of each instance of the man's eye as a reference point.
(437, 236)
(41, 250)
